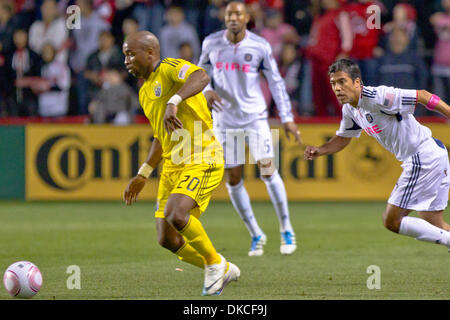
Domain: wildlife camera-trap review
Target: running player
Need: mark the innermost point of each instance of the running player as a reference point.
(386, 113)
(234, 58)
(172, 100)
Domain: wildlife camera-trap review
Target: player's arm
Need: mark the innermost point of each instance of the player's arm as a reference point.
(433, 102)
(154, 155)
(137, 183)
(194, 84)
(213, 99)
(335, 144)
(279, 93)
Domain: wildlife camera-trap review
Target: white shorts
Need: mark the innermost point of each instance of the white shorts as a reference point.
(425, 181)
(257, 135)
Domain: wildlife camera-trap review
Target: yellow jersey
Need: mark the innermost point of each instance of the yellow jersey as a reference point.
(195, 142)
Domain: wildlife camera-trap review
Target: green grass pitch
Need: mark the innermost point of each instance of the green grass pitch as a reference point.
(116, 249)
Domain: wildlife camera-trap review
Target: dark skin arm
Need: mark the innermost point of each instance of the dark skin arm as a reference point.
(194, 84)
(137, 183)
(213, 99)
(335, 144)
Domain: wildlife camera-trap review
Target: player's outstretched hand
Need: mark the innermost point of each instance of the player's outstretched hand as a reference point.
(214, 101)
(171, 122)
(132, 191)
(311, 153)
(291, 128)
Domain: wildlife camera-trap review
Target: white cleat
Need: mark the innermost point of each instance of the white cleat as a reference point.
(288, 243)
(232, 274)
(258, 243)
(214, 275)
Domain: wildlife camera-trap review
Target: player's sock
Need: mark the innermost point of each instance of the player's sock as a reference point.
(196, 236)
(277, 192)
(241, 202)
(188, 254)
(423, 230)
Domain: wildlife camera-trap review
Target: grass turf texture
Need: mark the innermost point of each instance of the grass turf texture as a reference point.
(115, 246)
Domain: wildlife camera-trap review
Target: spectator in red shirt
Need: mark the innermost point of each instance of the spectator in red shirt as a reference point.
(330, 39)
(268, 4)
(106, 9)
(365, 41)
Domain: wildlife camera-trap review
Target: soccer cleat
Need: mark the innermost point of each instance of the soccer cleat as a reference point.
(258, 243)
(288, 243)
(214, 275)
(233, 273)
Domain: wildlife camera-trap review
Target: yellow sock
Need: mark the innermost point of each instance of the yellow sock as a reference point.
(199, 240)
(188, 254)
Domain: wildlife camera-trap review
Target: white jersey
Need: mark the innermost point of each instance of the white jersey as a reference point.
(235, 73)
(386, 113)
(55, 102)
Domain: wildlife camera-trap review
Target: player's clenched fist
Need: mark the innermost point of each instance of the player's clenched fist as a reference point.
(311, 153)
(134, 187)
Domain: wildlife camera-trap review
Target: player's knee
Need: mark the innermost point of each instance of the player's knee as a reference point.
(233, 180)
(177, 217)
(391, 222)
(233, 176)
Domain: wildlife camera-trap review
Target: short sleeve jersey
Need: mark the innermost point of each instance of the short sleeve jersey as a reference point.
(386, 114)
(165, 81)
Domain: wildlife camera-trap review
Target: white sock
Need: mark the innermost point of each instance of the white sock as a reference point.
(277, 193)
(241, 202)
(424, 231)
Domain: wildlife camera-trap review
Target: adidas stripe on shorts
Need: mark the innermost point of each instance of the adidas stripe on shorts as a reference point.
(425, 181)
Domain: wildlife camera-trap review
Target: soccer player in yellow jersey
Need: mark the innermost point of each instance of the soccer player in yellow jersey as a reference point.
(176, 108)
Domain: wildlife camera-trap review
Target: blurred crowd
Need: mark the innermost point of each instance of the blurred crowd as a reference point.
(50, 68)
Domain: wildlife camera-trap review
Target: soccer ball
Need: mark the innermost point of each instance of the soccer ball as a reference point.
(22, 279)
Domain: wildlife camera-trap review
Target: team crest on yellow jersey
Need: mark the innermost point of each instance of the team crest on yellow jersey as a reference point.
(157, 89)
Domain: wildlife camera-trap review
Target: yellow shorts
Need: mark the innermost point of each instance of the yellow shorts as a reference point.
(197, 181)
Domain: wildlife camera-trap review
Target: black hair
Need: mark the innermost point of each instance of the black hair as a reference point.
(347, 66)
